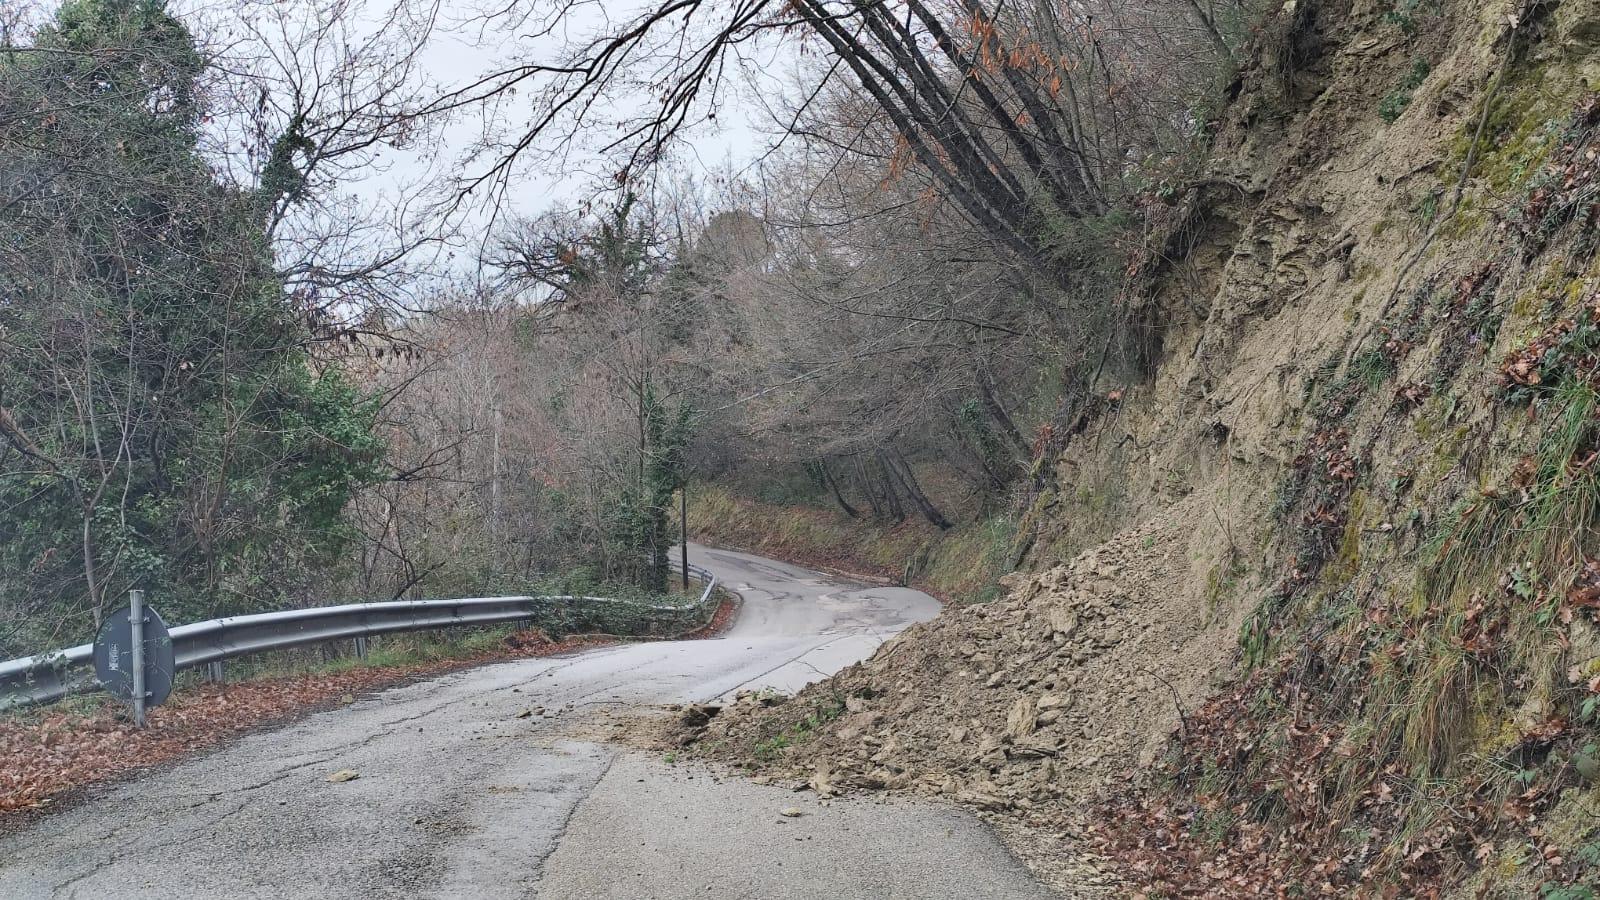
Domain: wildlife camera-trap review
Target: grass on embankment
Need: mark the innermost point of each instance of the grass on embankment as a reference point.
(959, 565)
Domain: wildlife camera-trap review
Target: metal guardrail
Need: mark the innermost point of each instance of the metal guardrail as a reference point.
(48, 677)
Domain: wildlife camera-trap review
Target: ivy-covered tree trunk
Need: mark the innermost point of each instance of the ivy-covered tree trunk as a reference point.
(668, 432)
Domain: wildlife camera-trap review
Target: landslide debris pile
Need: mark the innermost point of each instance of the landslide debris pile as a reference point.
(1076, 675)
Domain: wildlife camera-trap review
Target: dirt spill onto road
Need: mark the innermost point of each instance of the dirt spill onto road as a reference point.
(1024, 708)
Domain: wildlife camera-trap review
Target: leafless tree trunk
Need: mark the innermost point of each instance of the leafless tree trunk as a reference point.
(894, 465)
(833, 486)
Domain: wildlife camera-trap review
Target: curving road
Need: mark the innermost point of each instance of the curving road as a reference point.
(458, 797)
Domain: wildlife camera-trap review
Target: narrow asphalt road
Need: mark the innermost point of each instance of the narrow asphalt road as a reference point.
(458, 797)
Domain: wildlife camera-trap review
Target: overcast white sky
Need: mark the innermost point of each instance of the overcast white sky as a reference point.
(552, 177)
(461, 48)
(458, 54)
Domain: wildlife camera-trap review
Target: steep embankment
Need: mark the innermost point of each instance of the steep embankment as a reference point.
(1314, 594)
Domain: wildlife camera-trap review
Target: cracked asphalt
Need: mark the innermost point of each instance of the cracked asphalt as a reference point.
(459, 797)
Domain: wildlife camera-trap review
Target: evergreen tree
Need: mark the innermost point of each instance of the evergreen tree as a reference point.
(162, 423)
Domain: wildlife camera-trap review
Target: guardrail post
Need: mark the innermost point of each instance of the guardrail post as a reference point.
(136, 637)
(361, 648)
(215, 673)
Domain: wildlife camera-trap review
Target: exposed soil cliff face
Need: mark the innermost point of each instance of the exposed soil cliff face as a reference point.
(1319, 583)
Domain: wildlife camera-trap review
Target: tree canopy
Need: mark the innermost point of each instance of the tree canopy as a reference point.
(163, 422)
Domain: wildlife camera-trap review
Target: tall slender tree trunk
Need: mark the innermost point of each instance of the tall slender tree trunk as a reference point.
(90, 576)
(896, 464)
(891, 491)
(992, 477)
(494, 469)
(864, 481)
(997, 412)
(838, 495)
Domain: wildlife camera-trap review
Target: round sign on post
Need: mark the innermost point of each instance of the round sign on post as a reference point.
(113, 656)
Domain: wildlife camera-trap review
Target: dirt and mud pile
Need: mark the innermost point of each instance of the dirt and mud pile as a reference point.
(1079, 673)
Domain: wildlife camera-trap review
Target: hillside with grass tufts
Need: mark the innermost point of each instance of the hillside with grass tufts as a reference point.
(1308, 608)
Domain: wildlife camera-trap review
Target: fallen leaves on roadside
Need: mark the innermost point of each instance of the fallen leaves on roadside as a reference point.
(45, 753)
(1585, 590)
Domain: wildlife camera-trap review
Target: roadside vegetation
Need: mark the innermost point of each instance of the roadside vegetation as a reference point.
(1223, 319)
